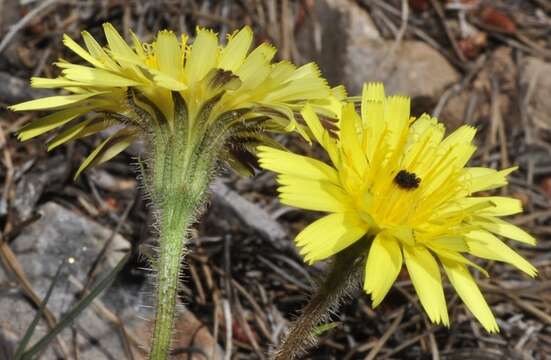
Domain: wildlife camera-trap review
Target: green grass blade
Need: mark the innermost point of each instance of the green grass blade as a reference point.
(30, 330)
(76, 310)
(320, 329)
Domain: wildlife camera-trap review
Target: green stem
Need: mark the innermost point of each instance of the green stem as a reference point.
(185, 152)
(172, 245)
(342, 280)
(179, 179)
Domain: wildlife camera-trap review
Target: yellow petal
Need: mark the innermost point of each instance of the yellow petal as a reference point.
(301, 84)
(463, 135)
(397, 116)
(312, 120)
(284, 162)
(329, 235)
(373, 97)
(449, 242)
(319, 132)
(350, 124)
(469, 292)
(108, 149)
(456, 257)
(167, 51)
(95, 126)
(485, 245)
(68, 134)
(505, 229)
(256, 67)
(97, 52)
(52, 102)
(46, 83)
(168, 82)
(49, 122)
(373, 107)
(281, 71)
(382, 268)
(313, 194)
(97, 77)
(71, 44)
(480, 178)
(331, 106)
(203, 56)
(423, 140)
(119, 48)
(425, 276)
(499, 205)
(138, 46)
(233, 55)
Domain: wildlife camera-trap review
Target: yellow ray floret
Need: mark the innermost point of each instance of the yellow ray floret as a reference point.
(400, 182)
(140, 85)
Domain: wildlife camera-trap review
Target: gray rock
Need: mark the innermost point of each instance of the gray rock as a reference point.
(534, 77)
(40, 248)
(14, 89)
(351, 51)
(415, 70)
(57, 236)
(32, 185)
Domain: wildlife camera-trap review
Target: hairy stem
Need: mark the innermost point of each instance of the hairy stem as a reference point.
(180, 174)
(342, 279)
(171, 249)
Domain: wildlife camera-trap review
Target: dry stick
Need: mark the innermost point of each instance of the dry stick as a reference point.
(342, 279)
(440, 12)
(382, 341)
(228, 323)
(37, 11)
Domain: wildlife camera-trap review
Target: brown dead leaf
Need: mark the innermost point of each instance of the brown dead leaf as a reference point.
(498, 20)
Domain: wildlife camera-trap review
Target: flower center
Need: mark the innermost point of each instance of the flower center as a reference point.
(407, 180)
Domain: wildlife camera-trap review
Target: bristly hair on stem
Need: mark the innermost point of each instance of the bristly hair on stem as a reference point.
(342, 280)
(179, 171)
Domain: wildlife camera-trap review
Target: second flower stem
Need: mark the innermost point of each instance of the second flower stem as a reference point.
(342, 280)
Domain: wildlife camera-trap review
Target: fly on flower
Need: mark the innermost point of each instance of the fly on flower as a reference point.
(200, 90)
(400, 182)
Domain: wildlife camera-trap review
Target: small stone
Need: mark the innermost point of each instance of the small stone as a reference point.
(351, 51)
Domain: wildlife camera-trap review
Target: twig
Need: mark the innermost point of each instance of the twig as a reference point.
(391, 330)
(440, 12)
(229, 330)
(38, 11)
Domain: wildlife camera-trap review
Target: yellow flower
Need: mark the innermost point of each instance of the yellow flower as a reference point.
(141, 85)
(399, 181)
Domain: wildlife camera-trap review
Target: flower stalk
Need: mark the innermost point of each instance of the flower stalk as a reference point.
(342, 280)
(179, 174)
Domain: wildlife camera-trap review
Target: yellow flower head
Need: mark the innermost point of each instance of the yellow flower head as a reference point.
(143, 85)
(399, 181)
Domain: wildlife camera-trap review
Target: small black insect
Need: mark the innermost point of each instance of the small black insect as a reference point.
(407, 180)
